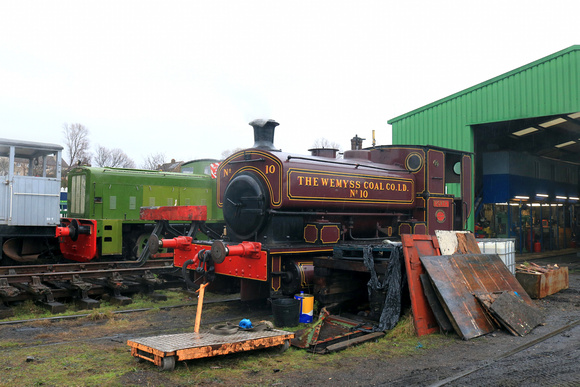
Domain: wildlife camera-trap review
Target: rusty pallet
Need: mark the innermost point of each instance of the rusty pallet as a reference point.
(165, 350)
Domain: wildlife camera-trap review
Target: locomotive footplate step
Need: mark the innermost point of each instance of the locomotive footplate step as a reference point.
(165, 350)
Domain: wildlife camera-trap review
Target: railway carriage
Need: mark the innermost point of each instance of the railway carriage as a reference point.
(30, 178)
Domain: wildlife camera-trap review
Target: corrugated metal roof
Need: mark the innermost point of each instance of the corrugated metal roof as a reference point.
(559, 71)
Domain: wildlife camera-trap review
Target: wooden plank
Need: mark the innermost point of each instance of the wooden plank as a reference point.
(457, 242)
(358, 340)
(466, 244)
(415, 246)
(458, 277)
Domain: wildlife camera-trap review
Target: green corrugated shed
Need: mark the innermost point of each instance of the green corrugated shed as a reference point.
(548, 86)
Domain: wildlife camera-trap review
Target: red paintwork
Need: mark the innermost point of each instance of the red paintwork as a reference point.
(84, 248)
(244, 260)
(253, 265)
(415, 246)
(439, 214)
(246, 250)
(182, 243)
(181, 254)
(183, 213)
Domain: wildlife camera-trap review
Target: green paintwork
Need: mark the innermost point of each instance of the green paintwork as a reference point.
(115, 196)
(546, 87)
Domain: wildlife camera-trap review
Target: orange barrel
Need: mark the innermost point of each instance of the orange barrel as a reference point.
(537, 247)
(306, 307)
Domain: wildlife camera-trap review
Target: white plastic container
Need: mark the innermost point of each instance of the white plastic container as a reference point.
(504, 247)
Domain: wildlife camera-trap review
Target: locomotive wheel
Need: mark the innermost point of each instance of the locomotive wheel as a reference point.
(168, 363)
(141, 243)
(282, 348)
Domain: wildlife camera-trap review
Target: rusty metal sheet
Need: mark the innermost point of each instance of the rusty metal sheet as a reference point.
(332, 333)
(544, 284)
(414, 247)
(458, 277)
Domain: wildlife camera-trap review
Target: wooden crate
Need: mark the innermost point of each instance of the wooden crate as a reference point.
(544, 284)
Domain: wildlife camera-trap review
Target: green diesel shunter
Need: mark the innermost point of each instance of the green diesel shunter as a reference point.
(108, 200)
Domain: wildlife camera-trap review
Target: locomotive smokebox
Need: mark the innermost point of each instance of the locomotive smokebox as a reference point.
(264, 134)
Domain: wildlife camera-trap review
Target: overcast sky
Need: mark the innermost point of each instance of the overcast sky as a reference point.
(184, 78)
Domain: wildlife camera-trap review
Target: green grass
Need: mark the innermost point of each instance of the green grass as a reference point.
(29, 310)
(106, 363)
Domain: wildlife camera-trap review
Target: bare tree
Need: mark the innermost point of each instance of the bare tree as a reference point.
(325, 143)
(76, 138)
(113, 158)
(154, 161)
(4, 166)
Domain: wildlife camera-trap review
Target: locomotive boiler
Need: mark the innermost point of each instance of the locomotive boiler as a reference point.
(274, 197)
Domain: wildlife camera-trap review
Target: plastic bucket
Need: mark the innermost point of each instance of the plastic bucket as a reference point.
(286, 312)
(306, 307)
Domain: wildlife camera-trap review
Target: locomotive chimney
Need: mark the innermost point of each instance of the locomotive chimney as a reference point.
(356, 142)
(356, 151)
(264, 134)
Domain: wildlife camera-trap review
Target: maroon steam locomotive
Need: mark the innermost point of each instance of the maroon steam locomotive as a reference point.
(296, 222)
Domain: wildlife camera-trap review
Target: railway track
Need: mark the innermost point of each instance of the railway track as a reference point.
(542, 371)
(230, 309)
(48, 283)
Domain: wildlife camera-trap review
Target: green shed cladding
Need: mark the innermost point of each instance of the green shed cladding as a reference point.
(545, 87)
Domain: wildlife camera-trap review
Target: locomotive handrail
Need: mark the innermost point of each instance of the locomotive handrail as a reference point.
(356, 165)
(322, 213)
(246, 161)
